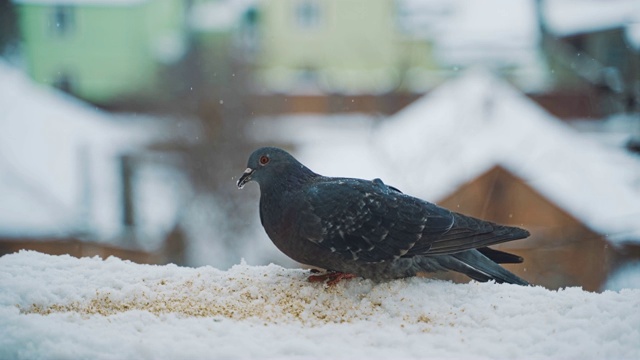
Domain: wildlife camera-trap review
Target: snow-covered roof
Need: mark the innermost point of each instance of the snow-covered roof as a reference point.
(475, 122)
(43, 137)
(495, 33)
(470, 21)
(56, 307)
(59, 170)
(219, 15)
(569, 17)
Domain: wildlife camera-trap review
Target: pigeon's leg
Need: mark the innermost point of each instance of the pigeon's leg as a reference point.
(333, 277)
(339, 276)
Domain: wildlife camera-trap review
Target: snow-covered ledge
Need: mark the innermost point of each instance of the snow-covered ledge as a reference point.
(63, 307)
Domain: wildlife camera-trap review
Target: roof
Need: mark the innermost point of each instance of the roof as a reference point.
(470, 21)
(219, 15)
(59, 170)
(495, 33)
(477, 121)
(41, 136)
(571, 17)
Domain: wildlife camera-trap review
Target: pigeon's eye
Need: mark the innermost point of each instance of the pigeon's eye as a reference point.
(264, 160)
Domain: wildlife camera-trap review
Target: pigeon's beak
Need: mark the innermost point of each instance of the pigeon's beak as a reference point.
(245, 178)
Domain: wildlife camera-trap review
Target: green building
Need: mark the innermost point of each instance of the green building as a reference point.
(103, 51)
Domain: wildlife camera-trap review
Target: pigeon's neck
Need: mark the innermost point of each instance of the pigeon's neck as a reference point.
(293, 178)
(300, 175)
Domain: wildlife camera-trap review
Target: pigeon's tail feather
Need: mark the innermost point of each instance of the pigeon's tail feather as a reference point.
(460, 239)
(500, 257)
(481, 268)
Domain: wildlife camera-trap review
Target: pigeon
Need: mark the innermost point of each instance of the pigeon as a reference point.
(364, 228)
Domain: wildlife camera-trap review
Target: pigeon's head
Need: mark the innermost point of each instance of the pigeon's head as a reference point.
(269, 164)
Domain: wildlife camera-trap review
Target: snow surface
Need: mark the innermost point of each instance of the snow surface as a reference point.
(62, 307)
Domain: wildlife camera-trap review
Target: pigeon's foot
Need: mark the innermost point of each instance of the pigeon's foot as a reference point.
(333, 277)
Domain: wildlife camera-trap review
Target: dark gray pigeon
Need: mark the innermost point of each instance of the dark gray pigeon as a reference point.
(354, 227)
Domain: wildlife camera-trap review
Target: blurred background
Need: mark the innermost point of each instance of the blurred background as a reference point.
(124, 124)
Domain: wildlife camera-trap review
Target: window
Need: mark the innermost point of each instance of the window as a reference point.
(307, 14)
(62, 20)
(64, 82)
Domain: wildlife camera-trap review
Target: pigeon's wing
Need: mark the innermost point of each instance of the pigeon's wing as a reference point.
(371, 222)
(368, 221)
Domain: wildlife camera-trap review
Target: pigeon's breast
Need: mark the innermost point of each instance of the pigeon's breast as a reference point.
(281, 218)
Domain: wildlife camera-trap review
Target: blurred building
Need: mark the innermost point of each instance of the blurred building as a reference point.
(225, 61)
(593, 50)
(105, 51)
(376, 56)
(332, 56)
(183, 59)
(576, 59)
(345, 47)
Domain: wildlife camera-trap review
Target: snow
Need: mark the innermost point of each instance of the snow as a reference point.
(626, 277)
(219, 15)
(63, 307)
(568, 17)
(43, 176)
(501, 34)
(633, 34)
(471, 22)
(169, 47)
